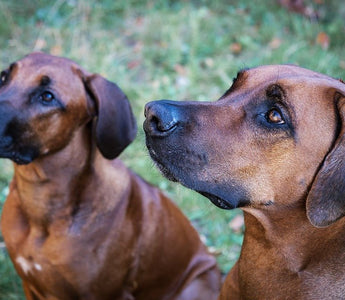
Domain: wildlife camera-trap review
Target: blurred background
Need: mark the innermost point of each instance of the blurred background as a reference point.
(181, 50)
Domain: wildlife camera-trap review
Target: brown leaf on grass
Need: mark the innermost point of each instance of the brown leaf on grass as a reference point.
(299, 6)
(236, 48)
(323, 40)
(56, 50)
(275, 43)
(180, 69)
(133, 64)
(236, 224)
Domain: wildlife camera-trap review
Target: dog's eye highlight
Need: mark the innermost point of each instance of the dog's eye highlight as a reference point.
(3, 77)
(47, 97)
(274, 116)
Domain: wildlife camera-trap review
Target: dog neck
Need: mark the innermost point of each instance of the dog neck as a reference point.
(53, 188)
(42, 184)
(289, 232)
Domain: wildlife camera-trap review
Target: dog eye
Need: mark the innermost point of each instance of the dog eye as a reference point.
(274, 116)
(47, 97)
(3, 77)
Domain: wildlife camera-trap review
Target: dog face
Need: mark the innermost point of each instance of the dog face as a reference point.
(44, 99)
(260, 145)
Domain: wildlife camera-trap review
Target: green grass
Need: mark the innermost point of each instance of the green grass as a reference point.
(173, 50)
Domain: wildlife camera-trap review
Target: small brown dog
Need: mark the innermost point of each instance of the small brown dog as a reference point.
(76, 225)
(274, 145)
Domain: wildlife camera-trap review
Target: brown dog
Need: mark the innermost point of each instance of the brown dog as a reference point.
(76, 225)
(274, 145)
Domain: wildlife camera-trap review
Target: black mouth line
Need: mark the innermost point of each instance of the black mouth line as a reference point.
(16, 157)
(217, 201)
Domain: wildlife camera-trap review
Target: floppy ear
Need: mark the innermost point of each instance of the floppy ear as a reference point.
(326, 199)
(116, 126)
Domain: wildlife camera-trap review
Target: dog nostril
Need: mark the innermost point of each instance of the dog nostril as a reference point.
(162, 125)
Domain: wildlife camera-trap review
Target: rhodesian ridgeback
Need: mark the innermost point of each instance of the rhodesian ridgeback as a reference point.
(77, 224)
(273, 145)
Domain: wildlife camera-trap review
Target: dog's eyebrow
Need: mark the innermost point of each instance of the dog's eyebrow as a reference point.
(236, 82)
(45, 80)
(240, 73)
(12, 66)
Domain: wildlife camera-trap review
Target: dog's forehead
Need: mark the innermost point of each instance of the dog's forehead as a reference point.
(271, 74)
(292, 79)
(42, 59)
(34, 66)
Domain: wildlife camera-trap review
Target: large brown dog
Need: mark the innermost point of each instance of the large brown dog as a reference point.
(274, 145)
(76, 225)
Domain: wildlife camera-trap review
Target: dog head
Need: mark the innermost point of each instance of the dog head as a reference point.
(274, 139)
(44, 99)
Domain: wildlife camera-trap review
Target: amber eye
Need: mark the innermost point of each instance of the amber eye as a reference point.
(47, 97)
(274, 116)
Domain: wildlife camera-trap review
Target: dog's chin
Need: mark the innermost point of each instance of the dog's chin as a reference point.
(165, 172)
(216, 200)
(161, 167)
(225, 196)
(19, 158)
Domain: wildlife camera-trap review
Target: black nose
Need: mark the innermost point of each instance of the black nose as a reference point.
(162, 117)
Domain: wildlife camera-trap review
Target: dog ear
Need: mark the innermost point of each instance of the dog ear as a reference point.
(116, 126)
(326, 198)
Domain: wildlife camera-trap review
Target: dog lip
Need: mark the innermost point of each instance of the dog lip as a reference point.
(21, 160)
(16, 158)
(10, 152)
(217, 201)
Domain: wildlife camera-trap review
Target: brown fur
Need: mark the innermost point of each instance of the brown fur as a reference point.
(273, 145)
(77, 225)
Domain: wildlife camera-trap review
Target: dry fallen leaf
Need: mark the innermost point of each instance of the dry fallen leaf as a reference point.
(236, 48)
(236, 224)
(275, 43)
(180, 69)
(323, 40)
(56, 50)
(133, 64)
(300, 7)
